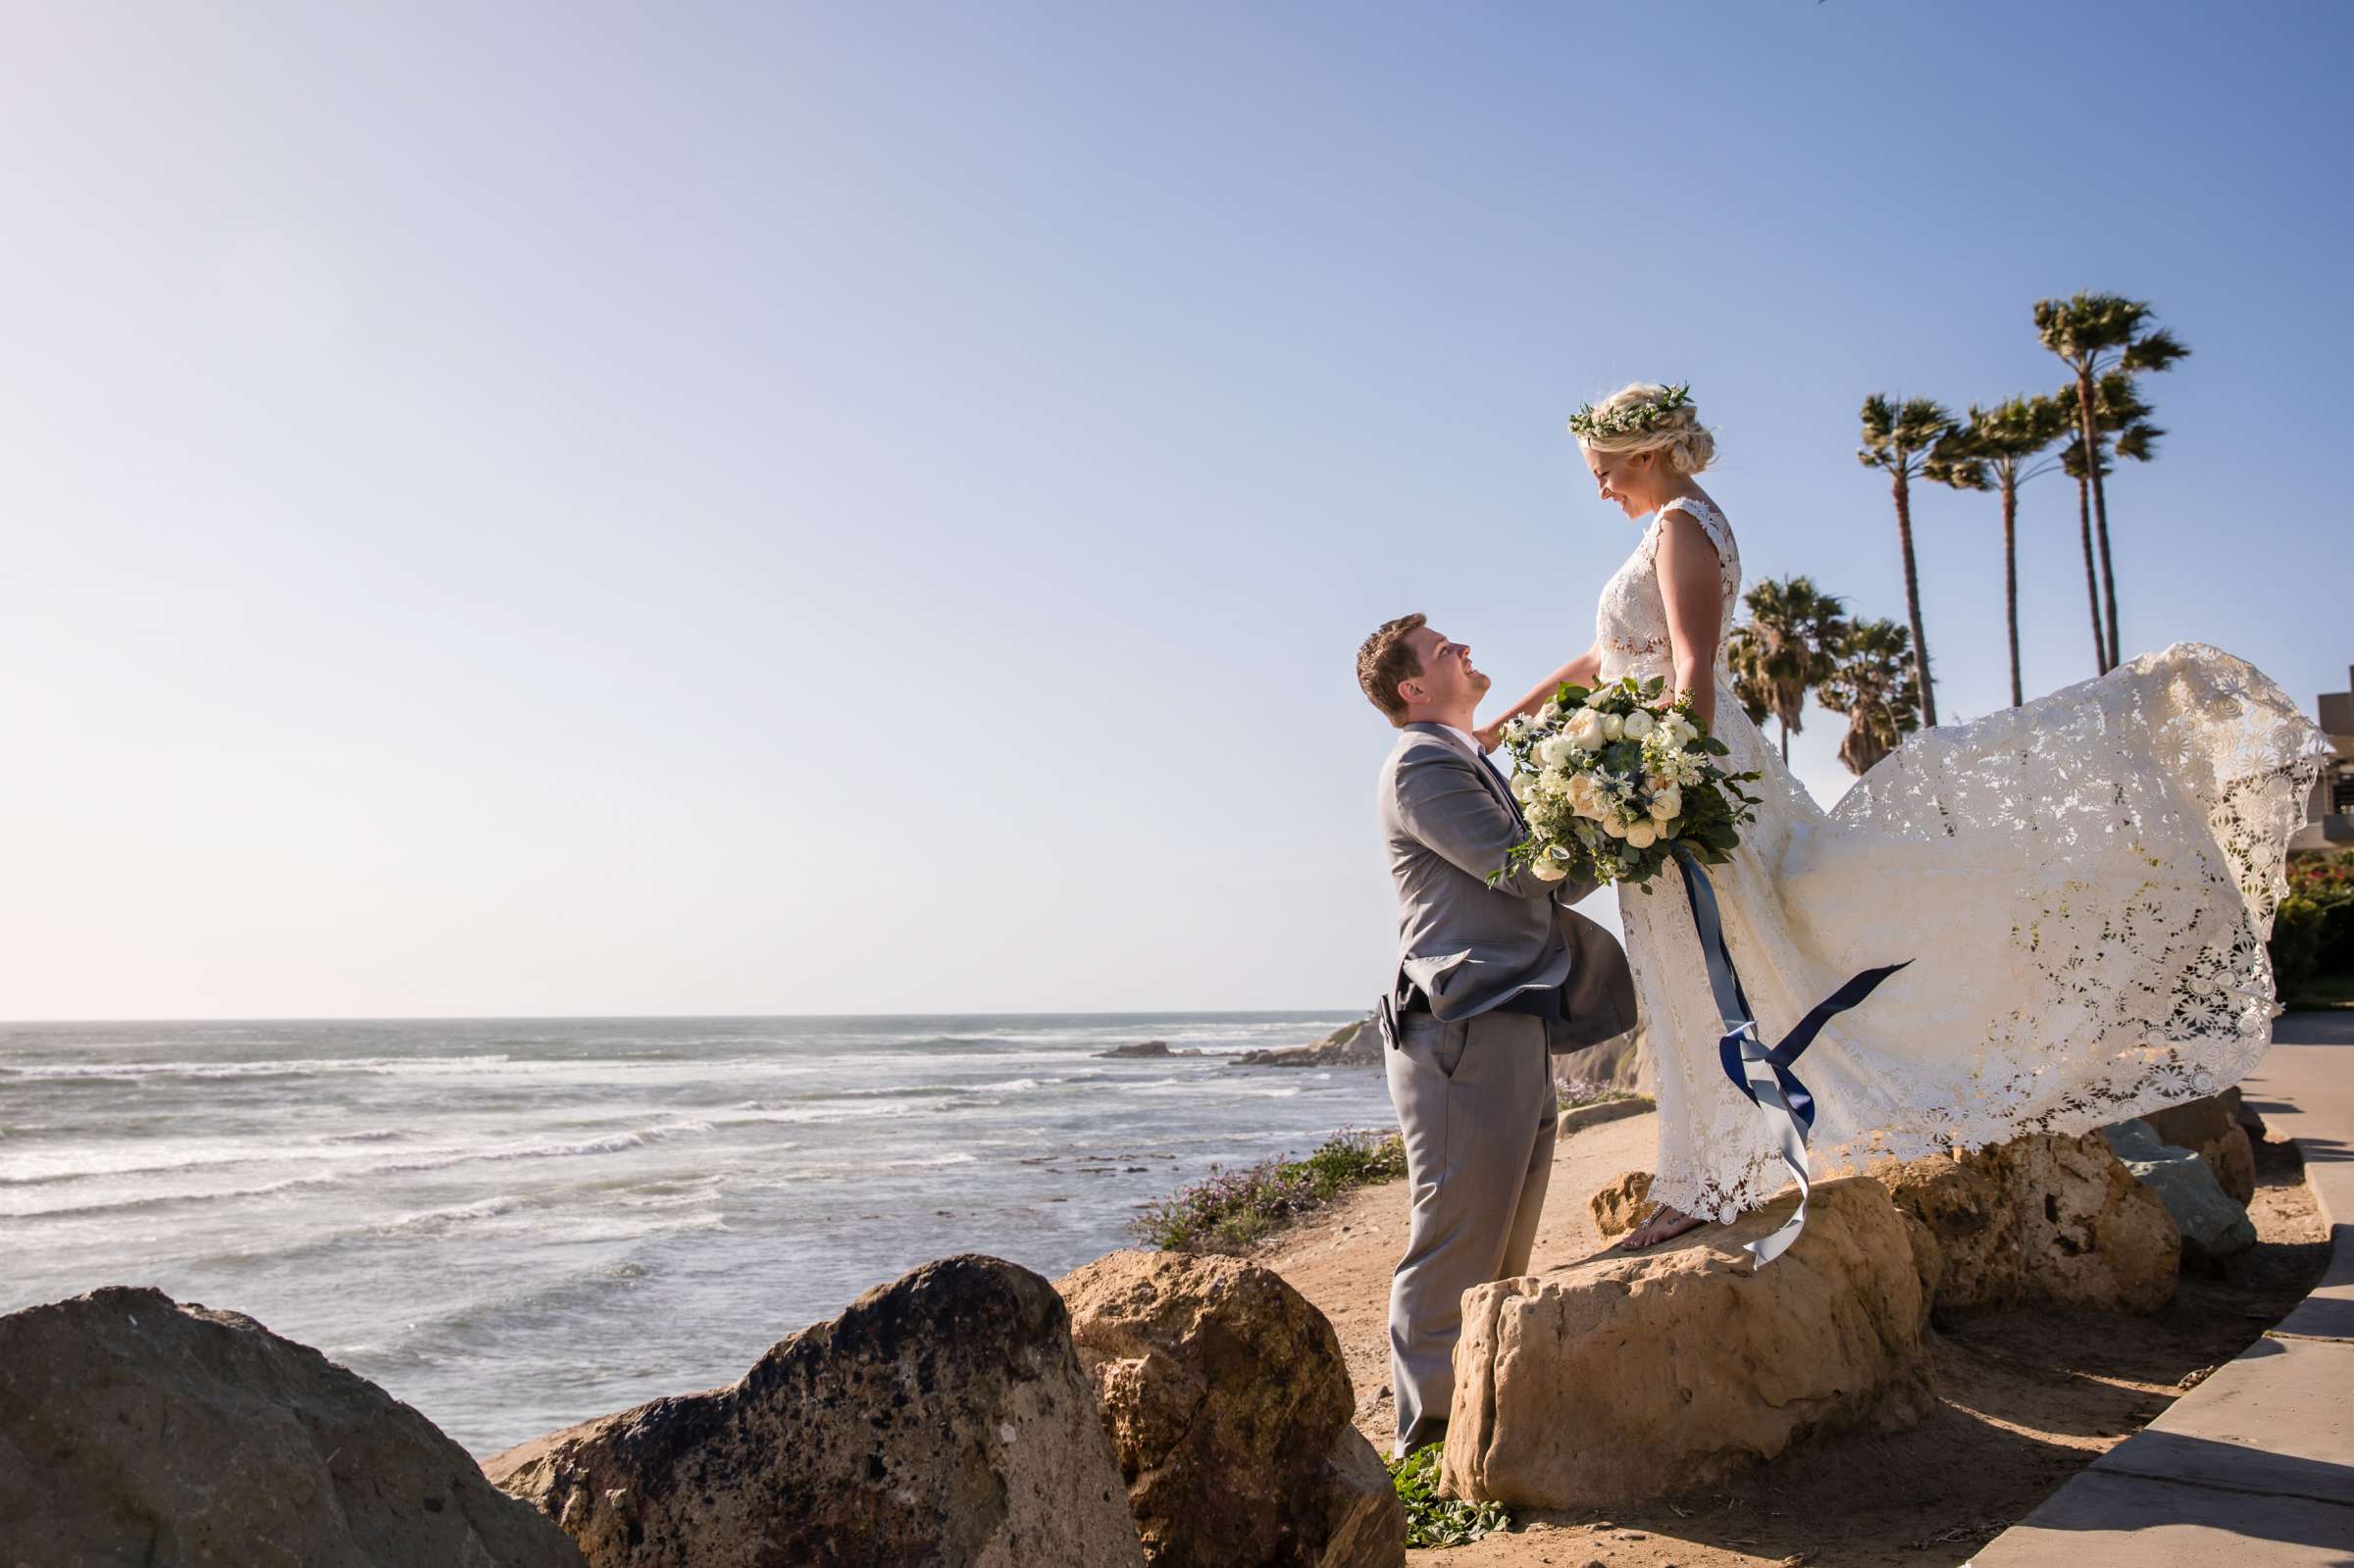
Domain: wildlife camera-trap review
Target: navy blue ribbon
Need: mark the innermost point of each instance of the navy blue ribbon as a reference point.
(1780, 1097)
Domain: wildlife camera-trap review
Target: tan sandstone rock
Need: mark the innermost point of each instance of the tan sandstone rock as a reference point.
(943, 1419)
(2210, 1128)
(1621, 1203)
(1620, 1377)
(134, 1430)
(2042, 1218)
(1228, 1405)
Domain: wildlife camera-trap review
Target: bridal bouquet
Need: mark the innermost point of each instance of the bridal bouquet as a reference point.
(1609, 779)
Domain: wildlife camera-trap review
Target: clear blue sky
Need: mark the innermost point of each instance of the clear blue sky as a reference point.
(574, 509)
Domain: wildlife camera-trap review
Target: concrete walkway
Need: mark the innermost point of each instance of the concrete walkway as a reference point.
(2255, 1466)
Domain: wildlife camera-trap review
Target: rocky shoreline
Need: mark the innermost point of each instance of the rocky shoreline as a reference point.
(1149, 1407)
(1357, 1045)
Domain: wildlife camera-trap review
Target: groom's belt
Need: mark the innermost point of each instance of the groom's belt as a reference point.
(1544, 1003)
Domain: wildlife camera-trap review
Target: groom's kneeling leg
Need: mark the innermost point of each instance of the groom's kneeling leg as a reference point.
(1536, 1177)
(1474, 1101)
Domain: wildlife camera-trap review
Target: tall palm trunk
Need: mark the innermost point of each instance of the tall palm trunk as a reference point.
(2100, 508)
(2092, 583)
(1785, 742)
(2011, 577)
(1920, 638)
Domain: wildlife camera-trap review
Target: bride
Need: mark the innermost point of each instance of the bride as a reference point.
(2082, 885)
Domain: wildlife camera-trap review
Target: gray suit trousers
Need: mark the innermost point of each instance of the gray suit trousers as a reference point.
(1475, 1103)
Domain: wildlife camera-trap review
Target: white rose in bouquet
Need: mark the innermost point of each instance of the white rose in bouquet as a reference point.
(1555, 751)
(1664, 801)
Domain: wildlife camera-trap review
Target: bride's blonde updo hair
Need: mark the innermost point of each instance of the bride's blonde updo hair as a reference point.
(1646, 416)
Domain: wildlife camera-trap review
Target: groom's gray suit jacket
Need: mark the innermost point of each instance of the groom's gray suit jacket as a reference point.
(1447, 821)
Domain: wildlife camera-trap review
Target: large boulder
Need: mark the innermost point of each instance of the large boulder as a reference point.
(1227, 1402)
(1619, 1378)
(2213, 1225)
(2210, 1128)
(942, 1420)
(2043, 1218)
(134, 1430)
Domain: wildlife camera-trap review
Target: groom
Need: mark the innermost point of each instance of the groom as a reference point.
(1491, 978)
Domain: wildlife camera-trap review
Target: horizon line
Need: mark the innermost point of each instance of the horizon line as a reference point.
(639, 1018)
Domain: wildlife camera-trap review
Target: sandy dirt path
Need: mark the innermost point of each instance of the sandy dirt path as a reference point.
(2028, 1397)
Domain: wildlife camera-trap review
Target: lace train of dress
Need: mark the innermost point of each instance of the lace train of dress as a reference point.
(2083, 885)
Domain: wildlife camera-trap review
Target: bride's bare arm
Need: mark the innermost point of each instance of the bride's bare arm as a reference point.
(1693, 589)
(1580, 670)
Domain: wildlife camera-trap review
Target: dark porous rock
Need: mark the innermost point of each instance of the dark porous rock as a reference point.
(1145, 1048)
(2244, 1113)
(134, 1430)
(1965, 1232)
(942, 1420)
(1228, 1405)
(1357, 1045)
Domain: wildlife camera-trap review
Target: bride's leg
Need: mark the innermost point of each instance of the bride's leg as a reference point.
(1655, 930)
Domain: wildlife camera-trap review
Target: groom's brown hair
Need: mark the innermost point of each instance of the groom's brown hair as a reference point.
(1385, 659)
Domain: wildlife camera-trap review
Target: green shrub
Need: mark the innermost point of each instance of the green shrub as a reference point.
(2295, 945)
(1234, 1208)
(2335, 953)
(1435, 1521)
(2313, 931)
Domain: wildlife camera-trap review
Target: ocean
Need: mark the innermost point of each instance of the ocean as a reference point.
(513, 1225)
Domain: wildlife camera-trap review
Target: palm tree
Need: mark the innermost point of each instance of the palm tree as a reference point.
(1793, 628)
(2119, 407)
(1745, 656)
(2071, 457)
(1898, 437)
(1874, 680)
(1995, 448)
(2094, 335)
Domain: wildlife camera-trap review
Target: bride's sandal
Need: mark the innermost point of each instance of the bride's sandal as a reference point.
(1664, 1225)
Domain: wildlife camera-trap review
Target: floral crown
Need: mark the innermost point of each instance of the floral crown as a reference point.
(1586, 425)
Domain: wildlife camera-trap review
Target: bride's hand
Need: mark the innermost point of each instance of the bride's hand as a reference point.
(1489, 736)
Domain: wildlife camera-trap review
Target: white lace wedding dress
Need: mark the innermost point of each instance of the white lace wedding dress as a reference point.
(2083, 886)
